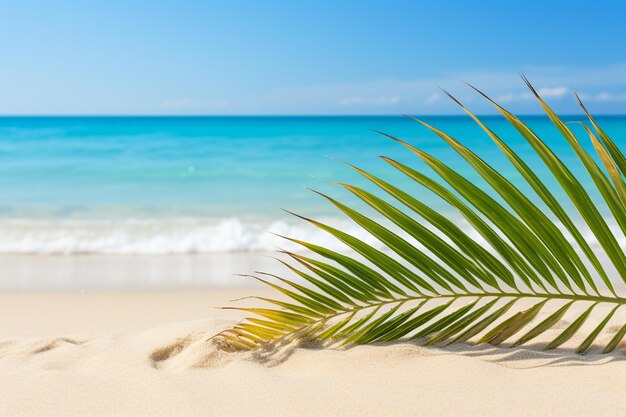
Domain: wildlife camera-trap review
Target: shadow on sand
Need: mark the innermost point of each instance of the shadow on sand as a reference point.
(527, 357)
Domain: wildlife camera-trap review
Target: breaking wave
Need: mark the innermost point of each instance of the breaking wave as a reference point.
(164, 236)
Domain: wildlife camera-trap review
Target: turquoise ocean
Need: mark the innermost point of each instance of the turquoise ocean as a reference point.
(159, 185)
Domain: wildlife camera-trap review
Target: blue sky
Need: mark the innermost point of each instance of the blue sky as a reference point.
(306, 57)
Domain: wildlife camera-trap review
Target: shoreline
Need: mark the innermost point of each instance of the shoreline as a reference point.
(98, 272)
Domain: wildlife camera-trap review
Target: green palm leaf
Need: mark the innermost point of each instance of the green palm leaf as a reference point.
(433, 283)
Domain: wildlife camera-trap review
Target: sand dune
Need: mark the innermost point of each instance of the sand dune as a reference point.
(146, 354)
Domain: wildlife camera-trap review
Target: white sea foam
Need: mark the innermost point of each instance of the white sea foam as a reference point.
(191, 235)
(163, 236)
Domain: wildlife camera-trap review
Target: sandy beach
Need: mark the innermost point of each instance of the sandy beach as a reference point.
(312, 209)
(145, 354)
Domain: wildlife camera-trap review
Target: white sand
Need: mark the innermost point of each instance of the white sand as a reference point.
(144, 354)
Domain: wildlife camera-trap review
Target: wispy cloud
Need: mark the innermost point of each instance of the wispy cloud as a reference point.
(546, 93)
(603, 97)
(604, 87)
(434, 98)
(553, 92)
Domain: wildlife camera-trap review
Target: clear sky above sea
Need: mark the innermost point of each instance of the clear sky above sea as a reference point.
(307, 57)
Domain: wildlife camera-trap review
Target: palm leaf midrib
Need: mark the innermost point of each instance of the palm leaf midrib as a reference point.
(479, 295)
(531, 248)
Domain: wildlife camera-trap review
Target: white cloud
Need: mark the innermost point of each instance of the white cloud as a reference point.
(422, 96)
(553, 92)
(605, 87)
(506, 98)
(603, 97)
(545, 92)
(434, 98)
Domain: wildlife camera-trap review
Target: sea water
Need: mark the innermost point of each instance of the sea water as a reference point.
(164, 185)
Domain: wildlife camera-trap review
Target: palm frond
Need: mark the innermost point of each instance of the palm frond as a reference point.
(434, 283)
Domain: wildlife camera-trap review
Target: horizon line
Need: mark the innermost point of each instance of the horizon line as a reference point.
(400, 115)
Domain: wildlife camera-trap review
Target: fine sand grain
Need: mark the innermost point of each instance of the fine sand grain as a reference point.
(146, 354)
